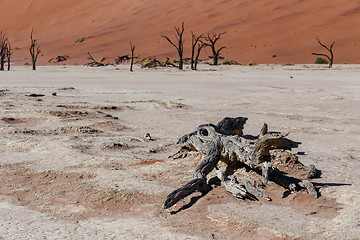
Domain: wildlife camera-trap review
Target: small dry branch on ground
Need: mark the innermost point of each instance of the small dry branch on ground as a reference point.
(94, 63)
(261, 155)
(156, 63)
(58, 59)
(122, 59)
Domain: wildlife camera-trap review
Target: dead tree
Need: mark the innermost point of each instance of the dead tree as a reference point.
(330, 50)
(179, 44)
(211, 42)
(9, 52)
(200, 46)
(132, 48)
(34, 50)
(3, 49)
(194, 40)
(261, 156)
(93, 62)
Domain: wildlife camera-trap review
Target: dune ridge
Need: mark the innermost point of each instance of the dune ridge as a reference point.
(264, 31)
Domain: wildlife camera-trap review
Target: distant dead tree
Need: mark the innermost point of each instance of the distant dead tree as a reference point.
(132, 48)
(9, 52)
(179, 44)
(211, 41)
(200, 46)
(330, 50)
(34, 50)
(194, 40)
(3, 49)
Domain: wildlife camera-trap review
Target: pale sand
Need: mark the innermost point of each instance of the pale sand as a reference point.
(60, 180)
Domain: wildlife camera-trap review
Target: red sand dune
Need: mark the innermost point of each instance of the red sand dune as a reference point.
(255, 30)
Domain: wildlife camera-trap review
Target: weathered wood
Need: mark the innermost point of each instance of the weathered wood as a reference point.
(313, 172)
(121, 59)
(231, 126)
(210, 160)
(93, 62)
(251, 189)
(283, 180)
(309, 187)
(231, 185)
(265, 172)
(226, 142)
(156, 63)
(198, 184)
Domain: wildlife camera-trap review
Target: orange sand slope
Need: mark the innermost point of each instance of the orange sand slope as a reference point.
(255, 30)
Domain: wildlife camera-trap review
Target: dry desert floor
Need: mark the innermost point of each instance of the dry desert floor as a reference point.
(75, 164)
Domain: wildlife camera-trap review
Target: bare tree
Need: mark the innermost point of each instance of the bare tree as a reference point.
(199, 48)
(34, 50)
(132, 48)
(3, 49)
(9, 52)
(179, 44)
(211, 41)
(330, 50)
(194, 40)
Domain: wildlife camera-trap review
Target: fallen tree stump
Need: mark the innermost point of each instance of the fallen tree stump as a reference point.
(262, 155)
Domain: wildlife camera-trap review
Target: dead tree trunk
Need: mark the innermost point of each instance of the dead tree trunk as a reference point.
(3, 50)
(199, 48)
(330, 50)
(226, 142)
(194, 40)
(34, 50)
(179, 44)
(132, 48)
(9, 52)
(211, 42)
